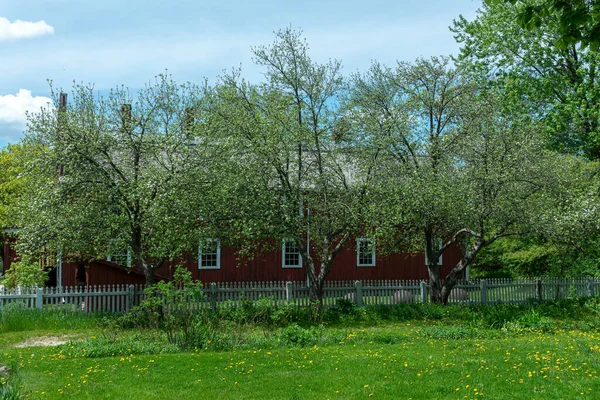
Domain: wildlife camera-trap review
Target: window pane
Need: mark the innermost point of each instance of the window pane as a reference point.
(365, 252)
(291, 256)
(209, 253)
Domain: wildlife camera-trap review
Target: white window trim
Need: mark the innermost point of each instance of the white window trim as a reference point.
(358, 263)
(109, 258)
(218, 266)
(438, 243)
(283, 265)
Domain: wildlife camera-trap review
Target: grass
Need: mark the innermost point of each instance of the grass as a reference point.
(408, 352)
(533, 365)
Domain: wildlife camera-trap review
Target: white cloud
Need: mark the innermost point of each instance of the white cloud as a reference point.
(23, 29)
(13, 110)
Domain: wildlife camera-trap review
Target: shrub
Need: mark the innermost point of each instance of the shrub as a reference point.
(170, 307)
(26, 273)
(345, 306)
(295, 335)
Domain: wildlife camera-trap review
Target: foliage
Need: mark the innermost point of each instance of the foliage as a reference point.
(557, 84)
(13, 183)
(25, 272)
(296, 155)
(132, 175)
(295, 335)
(170, 306)
(578, 20)
(13, 159)
(532, 257)
(460, 167)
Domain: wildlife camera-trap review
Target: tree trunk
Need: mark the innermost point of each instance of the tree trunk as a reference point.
(316, 291)
(436, 283)
(148, 273)
(452, 278)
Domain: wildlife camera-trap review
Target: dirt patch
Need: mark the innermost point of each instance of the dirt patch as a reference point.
(47, 341)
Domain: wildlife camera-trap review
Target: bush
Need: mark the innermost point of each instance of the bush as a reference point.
(346, 306)
(169, 307)
(295, 335)
(26, 273)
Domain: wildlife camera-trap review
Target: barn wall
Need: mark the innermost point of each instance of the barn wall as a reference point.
(264, 267)
(268, 267)
(99, 273)
(10, 255)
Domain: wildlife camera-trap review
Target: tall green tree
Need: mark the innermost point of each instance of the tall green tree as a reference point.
(565, 239)
(136, 172)
(13, 183)
(578, 20)
(558, 84)
(297, 158)
(458, 169)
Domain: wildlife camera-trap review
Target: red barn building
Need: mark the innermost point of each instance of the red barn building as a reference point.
(213, 263)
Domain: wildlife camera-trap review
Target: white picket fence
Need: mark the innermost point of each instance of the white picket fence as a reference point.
(121, 298)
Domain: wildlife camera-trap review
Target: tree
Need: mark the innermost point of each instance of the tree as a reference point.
(533, 55)
(134, 175)
(578, 20)
(13, 160)
(565, 240)
(460, 168)
(558, 84)
(25, 272)
(297, 159)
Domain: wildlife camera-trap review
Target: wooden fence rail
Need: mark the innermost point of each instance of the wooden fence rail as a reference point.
(121, 298)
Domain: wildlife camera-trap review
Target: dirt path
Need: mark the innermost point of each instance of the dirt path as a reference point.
(47, 341)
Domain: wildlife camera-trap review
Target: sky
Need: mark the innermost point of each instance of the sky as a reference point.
(109, 43)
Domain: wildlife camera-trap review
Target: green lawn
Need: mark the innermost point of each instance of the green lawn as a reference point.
(532, 365)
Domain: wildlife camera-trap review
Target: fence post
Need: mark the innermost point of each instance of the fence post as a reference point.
(359, 300)
(484, 294)
(423, 292)
(538, 290)
(591, 287)
(213, 296)
(39, 298)
(130, 298)
(288, 292)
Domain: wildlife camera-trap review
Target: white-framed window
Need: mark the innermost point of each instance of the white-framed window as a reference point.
(120, 258)
(209, 254)
(290, 254)
(438, 245)
(365, 252)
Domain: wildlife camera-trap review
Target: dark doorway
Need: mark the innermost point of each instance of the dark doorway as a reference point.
(51, 282)
(81, 278)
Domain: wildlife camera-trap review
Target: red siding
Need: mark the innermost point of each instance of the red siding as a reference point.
(104, 273)
(10, 254)
(268, 267)
(264, 267)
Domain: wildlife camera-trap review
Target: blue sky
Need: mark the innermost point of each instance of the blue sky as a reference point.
(114, 42)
